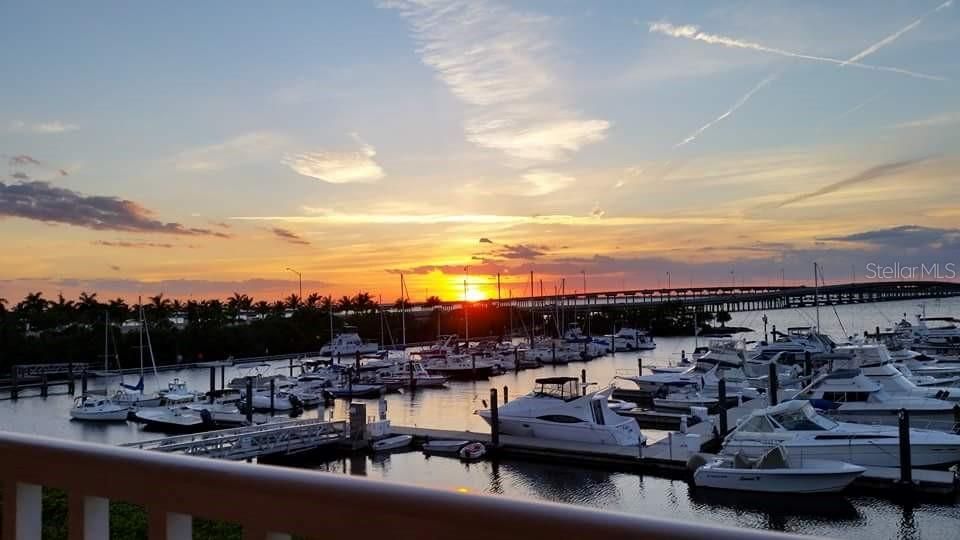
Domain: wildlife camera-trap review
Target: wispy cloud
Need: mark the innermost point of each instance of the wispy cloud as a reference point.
(240, 150)
(338, 167)
(894, 36)
(132, 244)
(289, 236)
(740, 103)
(42, 201)
(541, 182)
(904, 237)
(944, 119)
(335, 218)
(693, 32)
(52, 127)
(495, 60)
(873, 173)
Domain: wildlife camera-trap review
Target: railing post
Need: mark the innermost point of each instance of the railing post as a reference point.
(89, 517)
(170, 526)
(22, 506)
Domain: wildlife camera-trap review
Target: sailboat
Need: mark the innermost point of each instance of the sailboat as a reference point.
(95, 408)
(133, 395)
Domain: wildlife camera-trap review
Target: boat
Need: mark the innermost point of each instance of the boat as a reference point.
(850, 396)
(794, 344)
(807, 434)
(348, 343)
(357, 390)
(682, 400)
(631, 339)
(775, 472)
(92, 409)
(412, 375)
(462, 367)
(472, 451)
(282, 401)
(876, 364)
(133, 395)
(392, 443)
(556, 409)
(174, 419)
(619, 405)
(177, 392)
(444, 446)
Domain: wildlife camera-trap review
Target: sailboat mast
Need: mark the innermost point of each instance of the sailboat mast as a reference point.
(816, 294)
(466, 315)
(532, 319)
(140, 333)
(403, 313)
(106, 341)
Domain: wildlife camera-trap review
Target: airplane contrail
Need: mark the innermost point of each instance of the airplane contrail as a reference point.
(894, 36)
(740, 103)
(693, 32)
(873, 173)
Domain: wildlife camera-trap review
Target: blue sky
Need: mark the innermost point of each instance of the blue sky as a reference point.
(353, 139)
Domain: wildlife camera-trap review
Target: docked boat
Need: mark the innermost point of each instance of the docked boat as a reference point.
(93, 409)
(395, 442)
(794, 344)
(472, 451)
(133, 396)
(631, 339)
(356, 390)
(462, 367)
(411, 375)
(850, 396)
(619, 405)
(806, 434)
(444, 446)
(555, 409)
(775, 472)
(348, 344)
(876, 364)
(282, 401)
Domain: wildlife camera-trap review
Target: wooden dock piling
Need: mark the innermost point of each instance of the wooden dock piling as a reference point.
(722, 395)
(506, 394)
(43, 385)
(906, 466)
(273, 393)
(774, 385)
(71, 383)
(213, 383)
(250, 400)
(14, 391)
(494, 419)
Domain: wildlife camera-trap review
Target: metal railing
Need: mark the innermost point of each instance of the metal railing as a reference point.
(276, 502)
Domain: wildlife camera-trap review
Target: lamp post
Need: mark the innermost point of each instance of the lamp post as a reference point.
(300, 278)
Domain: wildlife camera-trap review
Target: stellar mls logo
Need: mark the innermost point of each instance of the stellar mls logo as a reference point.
(913, 272)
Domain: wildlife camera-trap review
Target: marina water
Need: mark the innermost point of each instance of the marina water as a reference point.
(851, 515)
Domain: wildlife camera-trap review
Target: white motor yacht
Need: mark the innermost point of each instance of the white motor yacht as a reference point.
(96, 409)
(804, 433)
(875, 363)
(348, 344)
(556, 409)
(412, 375)
(848, 395)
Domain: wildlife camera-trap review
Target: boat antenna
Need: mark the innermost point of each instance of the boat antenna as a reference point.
(153, 361)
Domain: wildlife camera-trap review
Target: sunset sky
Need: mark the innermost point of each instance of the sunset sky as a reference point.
(198, 149)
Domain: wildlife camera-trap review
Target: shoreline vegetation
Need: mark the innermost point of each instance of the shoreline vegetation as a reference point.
(41, 330)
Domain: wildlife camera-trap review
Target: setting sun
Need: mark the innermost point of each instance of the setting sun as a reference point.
(474, 294)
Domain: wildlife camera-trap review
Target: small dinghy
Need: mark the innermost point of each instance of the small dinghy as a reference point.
(392, 443)
(472, 451)
(444, 446)
(775, 473)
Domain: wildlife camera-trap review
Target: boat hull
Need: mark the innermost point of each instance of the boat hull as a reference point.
(865, 452)
(626, 433)
(103, 416)
(822, 477)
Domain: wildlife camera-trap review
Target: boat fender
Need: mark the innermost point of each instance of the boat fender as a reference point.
(206, 417)
(696, 461)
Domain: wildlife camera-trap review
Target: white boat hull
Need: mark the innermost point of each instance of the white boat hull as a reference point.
(100, 416)
(392, 443)
(815, 476)
(626, 433)
(869, 453)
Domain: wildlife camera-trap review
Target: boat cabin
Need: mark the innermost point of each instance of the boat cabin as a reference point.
(565, 388)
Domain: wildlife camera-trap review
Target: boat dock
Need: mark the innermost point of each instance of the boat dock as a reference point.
(270, 439)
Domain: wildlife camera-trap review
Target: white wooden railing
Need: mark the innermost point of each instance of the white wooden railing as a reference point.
(274, 502)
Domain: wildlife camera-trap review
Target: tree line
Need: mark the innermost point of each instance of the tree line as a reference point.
(37, 329)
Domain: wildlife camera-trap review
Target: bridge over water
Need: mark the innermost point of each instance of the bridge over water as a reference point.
(730, 298)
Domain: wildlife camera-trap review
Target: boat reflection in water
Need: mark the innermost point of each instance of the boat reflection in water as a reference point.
(774, 511)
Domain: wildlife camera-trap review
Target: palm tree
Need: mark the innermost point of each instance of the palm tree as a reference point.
(402, 303)
(326, 303)
(262, 308)
(345, 303)
(313, 300)
(237, 303)
(293, 301)
(159, 306)
(118, 309)
(433, 301)
(363, 302)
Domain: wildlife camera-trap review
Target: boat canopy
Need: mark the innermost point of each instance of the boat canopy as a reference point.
(565, 388)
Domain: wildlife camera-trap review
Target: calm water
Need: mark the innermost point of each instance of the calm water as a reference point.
(848, 516)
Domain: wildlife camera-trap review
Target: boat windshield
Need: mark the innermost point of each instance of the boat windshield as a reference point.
(565, 389)
(804, 419)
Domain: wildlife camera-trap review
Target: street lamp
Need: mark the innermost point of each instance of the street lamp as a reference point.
(299, 277)
(668, 280)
